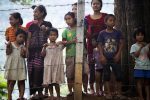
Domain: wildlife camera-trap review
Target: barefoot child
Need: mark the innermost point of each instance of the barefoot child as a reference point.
(69, 40)
(15, 69)
(53, 63)
(140, 52)
(110, 45)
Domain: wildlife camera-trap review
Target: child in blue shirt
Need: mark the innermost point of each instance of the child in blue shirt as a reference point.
(110, 44)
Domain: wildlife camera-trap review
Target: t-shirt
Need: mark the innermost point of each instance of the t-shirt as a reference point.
(110, 42)
(38, 37)
(141, 62)
(92, 29)
(10, 33)
(69, 35)
(29, 24)
(94, 26)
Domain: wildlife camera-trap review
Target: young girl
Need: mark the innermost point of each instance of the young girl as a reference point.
(15, 22)
(69, 40)
(74, 9)
(140, 52)
(15, 69)
(94, 23)
(98, 72)
(53, 63)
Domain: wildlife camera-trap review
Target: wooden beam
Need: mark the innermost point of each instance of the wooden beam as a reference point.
(79, 50)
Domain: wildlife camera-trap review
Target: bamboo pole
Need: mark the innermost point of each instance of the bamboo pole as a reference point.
(79, 50)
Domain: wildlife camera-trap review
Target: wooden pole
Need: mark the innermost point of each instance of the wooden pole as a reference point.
(79, 50)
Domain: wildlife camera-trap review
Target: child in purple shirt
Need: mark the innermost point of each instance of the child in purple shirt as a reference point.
(110, 44)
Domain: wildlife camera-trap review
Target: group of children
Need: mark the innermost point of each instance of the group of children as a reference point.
(103, 44)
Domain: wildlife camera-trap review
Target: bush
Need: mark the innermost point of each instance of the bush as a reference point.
(3, 87)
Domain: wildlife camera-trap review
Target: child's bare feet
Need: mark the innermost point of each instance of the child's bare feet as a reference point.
(92, 92)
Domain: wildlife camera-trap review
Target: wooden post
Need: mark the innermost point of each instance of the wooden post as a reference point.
(79, 50)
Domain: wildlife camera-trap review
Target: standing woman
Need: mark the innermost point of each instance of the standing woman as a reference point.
(38, 35)
(94, 23)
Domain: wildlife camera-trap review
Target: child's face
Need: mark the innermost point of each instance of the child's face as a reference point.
(110, 22)
(69, 20)
(53, 36)
(20, 38)
(37, 14)
(139, 37)
(96, 5)
(13, 21)
(74, 9)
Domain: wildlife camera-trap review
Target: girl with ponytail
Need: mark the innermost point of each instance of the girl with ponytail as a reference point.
(15, 21)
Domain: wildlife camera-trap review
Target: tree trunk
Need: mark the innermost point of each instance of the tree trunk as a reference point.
(130, 14)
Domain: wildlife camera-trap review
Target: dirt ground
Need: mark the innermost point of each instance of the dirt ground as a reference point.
(86, 97)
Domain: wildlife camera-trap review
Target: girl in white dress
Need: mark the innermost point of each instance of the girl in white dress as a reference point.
(15, 69)
(53, 63)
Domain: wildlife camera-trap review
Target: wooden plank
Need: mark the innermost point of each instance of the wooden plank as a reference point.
(79, 51)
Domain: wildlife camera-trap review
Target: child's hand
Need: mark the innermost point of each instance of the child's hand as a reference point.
(7, 38)
(23, 52)
(142, 44)
(8, 48)
(45, 45)
(64, 42)
(8, 44)
(74, 40)
(43, 52)
(47, 28)
(59, 42)
(103, 60)
(43, 28)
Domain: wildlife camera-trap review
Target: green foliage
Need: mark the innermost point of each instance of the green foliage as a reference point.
(3, 87)
(23, 2)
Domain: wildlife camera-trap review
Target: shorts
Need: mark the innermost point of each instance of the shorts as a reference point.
(70, 67)
(99, 70)
(139, 73)
(116, 68)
